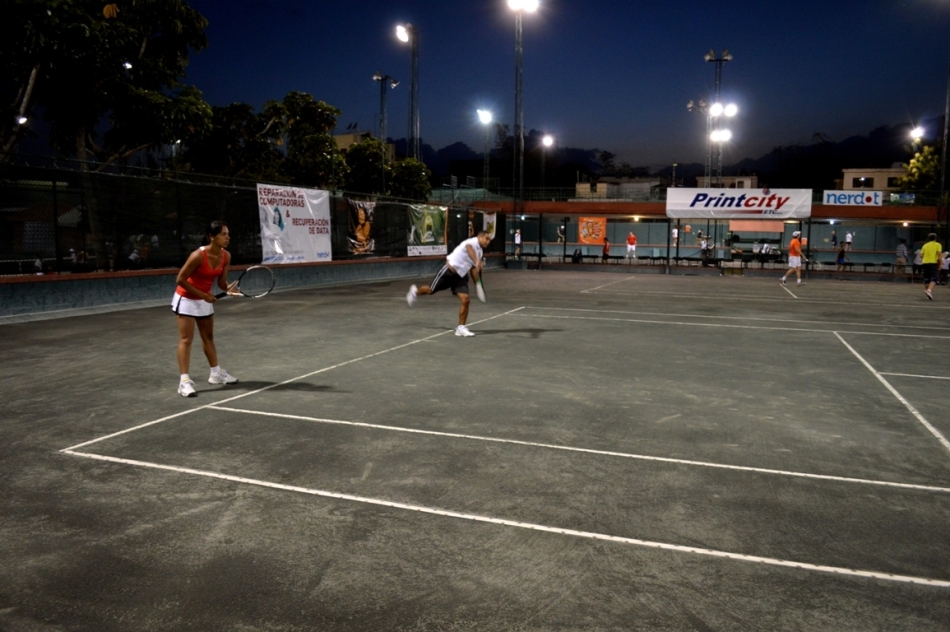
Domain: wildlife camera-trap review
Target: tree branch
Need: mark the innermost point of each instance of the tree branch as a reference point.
(123, 153)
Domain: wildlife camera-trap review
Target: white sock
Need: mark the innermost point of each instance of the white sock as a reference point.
(185, 377)
(216, 369)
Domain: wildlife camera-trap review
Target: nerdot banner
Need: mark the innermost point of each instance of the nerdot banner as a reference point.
(295, 224)
(852, 198)
(738, 203)
(427, 229)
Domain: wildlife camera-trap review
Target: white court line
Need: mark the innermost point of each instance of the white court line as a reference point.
(629, 278)
(753, 297)
(788, 290)
(266, 388)
(942, 439)
(906, 579)
(626, 455)
(926, 377)
(727, 326)
(769, 320)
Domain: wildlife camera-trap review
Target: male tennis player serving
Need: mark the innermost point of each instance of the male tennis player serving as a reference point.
(194, 304)
(467, 257)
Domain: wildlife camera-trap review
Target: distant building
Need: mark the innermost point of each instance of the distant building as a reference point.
(618, 189)
(347, 140)
(729, 182)
(877, 179)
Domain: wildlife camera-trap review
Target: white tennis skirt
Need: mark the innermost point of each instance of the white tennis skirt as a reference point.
(190, 307)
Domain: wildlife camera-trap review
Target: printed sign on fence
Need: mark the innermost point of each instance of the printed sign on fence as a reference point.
(427, 227)
(488, 224)
(359, 234)
(738, 203)
(295, 224)
(591, 230)
(852, 198)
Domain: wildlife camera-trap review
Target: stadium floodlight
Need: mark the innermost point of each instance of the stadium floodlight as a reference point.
(528, 6)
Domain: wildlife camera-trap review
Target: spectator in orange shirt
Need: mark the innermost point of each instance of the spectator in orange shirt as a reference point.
(631, 246)
(794, 257)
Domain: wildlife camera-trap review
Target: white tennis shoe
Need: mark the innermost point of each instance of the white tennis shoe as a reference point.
(187, 389)
(221, 377)
(463, 331)
(411, 296)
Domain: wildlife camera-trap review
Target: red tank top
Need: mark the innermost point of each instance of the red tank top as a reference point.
(204, 275)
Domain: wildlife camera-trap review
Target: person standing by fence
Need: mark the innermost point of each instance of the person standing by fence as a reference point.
(903, 254)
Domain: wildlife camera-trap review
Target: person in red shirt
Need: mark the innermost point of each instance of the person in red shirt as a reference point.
(794, 257)
(606, 250)
(193, 302)
(631, 246)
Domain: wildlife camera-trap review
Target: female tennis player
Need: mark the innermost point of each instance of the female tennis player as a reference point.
(194, 304)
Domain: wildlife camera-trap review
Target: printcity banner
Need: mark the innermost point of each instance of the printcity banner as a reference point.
(738, 203)
(359, 233)
(852, 198)
(427, 227)
(295, 224)
(591, 230)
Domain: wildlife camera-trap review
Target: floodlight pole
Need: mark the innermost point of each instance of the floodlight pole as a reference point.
(719, 60)
(519, 110)
(942, 202)
(414, 132)
(486, 169)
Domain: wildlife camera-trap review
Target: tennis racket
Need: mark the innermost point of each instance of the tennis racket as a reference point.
(255, 282)
(479, 288)
(814, 264)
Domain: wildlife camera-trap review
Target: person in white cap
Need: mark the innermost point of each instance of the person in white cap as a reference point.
(794, 257)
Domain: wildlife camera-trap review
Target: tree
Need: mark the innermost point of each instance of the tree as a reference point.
(410, 180)
(240, 144)
(608, 167)
(369, 172)
(66, 59)
(923, 172)
(312, 155)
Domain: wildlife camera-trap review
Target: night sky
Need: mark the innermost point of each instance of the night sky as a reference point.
(606, 74)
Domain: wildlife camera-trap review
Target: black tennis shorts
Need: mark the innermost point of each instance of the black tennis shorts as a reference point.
(445, 279)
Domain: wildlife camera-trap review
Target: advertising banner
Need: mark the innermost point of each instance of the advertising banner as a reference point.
(488, 224)
(591, 230)
(427, 230)
(359, 230)
(295, 224)
(738, 203)
(852, 198)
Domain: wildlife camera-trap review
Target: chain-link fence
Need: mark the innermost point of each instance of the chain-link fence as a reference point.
(57, 220)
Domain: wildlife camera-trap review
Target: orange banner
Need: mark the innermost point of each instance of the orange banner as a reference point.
(591, 230)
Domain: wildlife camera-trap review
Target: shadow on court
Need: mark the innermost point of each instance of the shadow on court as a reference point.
(656, 453)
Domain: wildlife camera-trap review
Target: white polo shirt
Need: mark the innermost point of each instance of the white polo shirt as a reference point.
(460, 260)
